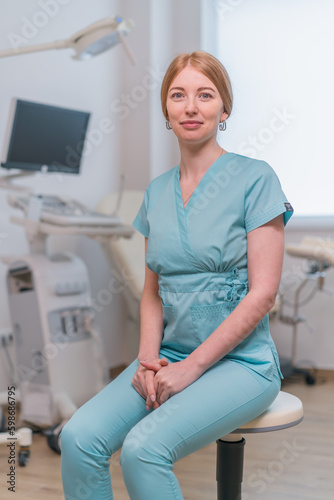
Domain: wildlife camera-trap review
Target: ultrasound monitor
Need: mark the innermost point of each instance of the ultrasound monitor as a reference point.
(44, 137)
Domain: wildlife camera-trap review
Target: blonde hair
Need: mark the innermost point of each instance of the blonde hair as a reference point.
(206, 64)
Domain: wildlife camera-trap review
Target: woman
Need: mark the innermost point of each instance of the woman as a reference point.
(214, 240)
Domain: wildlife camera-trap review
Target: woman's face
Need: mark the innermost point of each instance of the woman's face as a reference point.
(194, 106)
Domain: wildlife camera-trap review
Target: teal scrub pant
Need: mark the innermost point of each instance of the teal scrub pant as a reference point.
(225, 397)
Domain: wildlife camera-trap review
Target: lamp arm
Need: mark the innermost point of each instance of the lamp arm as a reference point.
(59, 44)
(126, 48)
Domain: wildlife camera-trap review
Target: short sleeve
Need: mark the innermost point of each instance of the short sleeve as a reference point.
(264, 198)
(141, 223)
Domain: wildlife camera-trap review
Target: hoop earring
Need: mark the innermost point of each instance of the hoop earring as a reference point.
(222, 126)
(168, 125)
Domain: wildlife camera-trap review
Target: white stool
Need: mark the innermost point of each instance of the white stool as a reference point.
(286, 411)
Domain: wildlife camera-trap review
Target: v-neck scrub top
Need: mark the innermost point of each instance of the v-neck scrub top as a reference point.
(200, 252)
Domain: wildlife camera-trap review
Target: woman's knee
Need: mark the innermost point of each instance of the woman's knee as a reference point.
(78, 436)
(136, 450)
(69, 437)
(140, 447)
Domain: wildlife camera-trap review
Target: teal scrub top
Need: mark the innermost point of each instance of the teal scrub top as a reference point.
(200, 252)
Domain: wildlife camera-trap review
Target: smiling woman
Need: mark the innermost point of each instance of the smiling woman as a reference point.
(213, 228)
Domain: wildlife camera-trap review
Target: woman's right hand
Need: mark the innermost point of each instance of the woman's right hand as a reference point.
(143, 381)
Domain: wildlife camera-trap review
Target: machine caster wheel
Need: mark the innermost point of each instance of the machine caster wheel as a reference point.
(309, 379)
(53, 442)
(24, 457)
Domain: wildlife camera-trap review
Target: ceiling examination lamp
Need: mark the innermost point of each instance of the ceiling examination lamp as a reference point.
(89, 42)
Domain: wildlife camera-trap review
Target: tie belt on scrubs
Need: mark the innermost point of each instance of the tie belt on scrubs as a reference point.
(235, 282)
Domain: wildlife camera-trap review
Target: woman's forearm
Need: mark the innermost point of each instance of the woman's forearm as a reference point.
(233, 330)
(151, 325)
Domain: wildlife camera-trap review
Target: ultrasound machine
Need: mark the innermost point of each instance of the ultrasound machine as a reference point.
(58, 348)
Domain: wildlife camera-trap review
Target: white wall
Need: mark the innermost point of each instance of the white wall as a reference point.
(165, 28)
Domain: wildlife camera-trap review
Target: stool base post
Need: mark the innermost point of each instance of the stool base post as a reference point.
(230, 461)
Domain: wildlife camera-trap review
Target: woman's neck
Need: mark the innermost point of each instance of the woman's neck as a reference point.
(196, 159)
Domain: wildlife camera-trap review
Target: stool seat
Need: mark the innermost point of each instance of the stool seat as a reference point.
(286, 411)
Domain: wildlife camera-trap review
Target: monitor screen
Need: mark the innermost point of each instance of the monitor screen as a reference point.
(40, 136)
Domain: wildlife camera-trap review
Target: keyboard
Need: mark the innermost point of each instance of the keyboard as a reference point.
(88, 219)
(56, 210)
(63, 212)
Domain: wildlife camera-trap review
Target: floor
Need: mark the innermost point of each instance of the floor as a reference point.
(309, 475)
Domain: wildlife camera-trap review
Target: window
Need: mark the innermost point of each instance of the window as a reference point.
(280, 59)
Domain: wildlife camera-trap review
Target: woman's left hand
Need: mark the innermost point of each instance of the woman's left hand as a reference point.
(173, 378)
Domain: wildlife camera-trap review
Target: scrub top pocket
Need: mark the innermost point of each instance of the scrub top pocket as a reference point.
(206, 318)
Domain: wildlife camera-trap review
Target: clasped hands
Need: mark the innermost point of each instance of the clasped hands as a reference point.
(157, 380)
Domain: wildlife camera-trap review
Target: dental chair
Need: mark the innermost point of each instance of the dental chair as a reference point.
(319, 255)
(127, 261)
